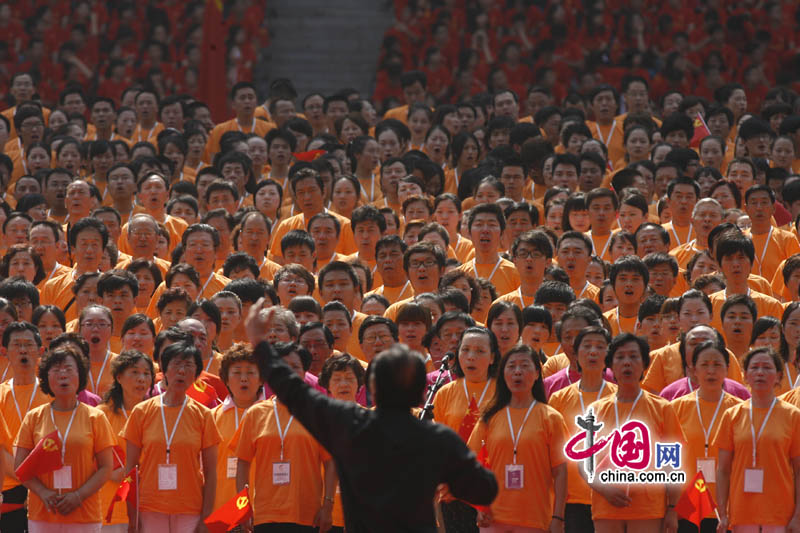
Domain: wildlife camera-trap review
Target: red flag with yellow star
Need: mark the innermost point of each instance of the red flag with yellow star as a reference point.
(232, 513)
(469, 420)
(126, 488)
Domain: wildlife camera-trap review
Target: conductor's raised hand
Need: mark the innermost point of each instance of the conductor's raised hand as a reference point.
(257, 322)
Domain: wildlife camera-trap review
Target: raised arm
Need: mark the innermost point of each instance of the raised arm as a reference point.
(326, 419)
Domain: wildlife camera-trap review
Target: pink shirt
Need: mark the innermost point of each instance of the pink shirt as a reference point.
(682, 387)
(564, 378)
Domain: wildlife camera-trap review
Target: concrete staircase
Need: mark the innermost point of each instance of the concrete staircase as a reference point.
(325, 45)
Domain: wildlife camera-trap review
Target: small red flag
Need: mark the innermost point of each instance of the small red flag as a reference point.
(469, 420)
(701, 131)
(44, 458)
(203, 393)
(232, 513)
(126, 488)
(308, 156)
(483, 459)
(696, 501)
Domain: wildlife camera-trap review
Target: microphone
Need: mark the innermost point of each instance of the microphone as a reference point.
(448, 356)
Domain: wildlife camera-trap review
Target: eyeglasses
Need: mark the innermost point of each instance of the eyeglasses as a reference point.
(185, 366)
(32, 125)
(430, 263)
(372, 339)
(95, 325)
(533, 254)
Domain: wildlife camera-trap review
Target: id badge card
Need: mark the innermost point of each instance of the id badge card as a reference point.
(281, 473)
(708, 466)
(230, 469)
(168, 477)
(62, 478)
(515, 474)
(754, 480)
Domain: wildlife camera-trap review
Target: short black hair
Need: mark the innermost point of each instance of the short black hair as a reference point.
(181, 350)
(57, 356)
(629, 263)
(88, 223)
(624, 338)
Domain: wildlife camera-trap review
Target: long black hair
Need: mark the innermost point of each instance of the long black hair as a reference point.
(502, 394)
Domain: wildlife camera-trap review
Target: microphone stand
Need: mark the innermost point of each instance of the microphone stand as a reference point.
(427, 408)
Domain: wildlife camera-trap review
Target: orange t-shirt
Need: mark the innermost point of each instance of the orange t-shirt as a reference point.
(679, 235)
(620, 324)
(567, 401)
(298, 500)
(502, 273)
(90, 434)
(353, 346)
(647, 501)
(25, 401)
(775, 449)
(769, 255)
(346, 245)
(394, 294)
(259, 127)
(228, 418)
(555, 363)
(100, 379)
(685, 252)
(149, 135)
(210, 287)
(107, 491)
(463, 248)
(175, 227)
(666, 367)
(686, 409)
(450, 405)
(765, 306)
(517, 298)
(58, 292)
(611, 135)
(601, 245)
(539, 450)
(195, 433)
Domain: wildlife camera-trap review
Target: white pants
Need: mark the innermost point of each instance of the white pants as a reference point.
(759, 529)
(169, 523)
(39, 526)
(115, 528)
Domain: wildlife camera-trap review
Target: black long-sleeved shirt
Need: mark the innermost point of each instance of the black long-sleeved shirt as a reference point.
(389, 462)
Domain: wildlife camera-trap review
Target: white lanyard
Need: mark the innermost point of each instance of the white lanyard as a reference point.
(124, 411)
(580, 394)
(403, 290)
(689, 383)
(616, 412)
(480, 400)
(200, 294)
(96, 384)
(610, 133)
(605, 248)
(8, 364)
(210, 360)
(761, 430)
(764, 251)
(521, 301)
(241, 200)
(171, 436)
(236, 416)
(372, 189)
(496, 266)
(148, 132)
(263, 262)
(252, 126)
(55, 267)
(583, 290)
(675, 234)
(707, 433)
(30, 402)
(281, 434)
(725, 293)
(65, 436)
(515, 440)
(455, 176)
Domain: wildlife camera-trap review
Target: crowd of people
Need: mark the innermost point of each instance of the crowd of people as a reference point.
(624, 247)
